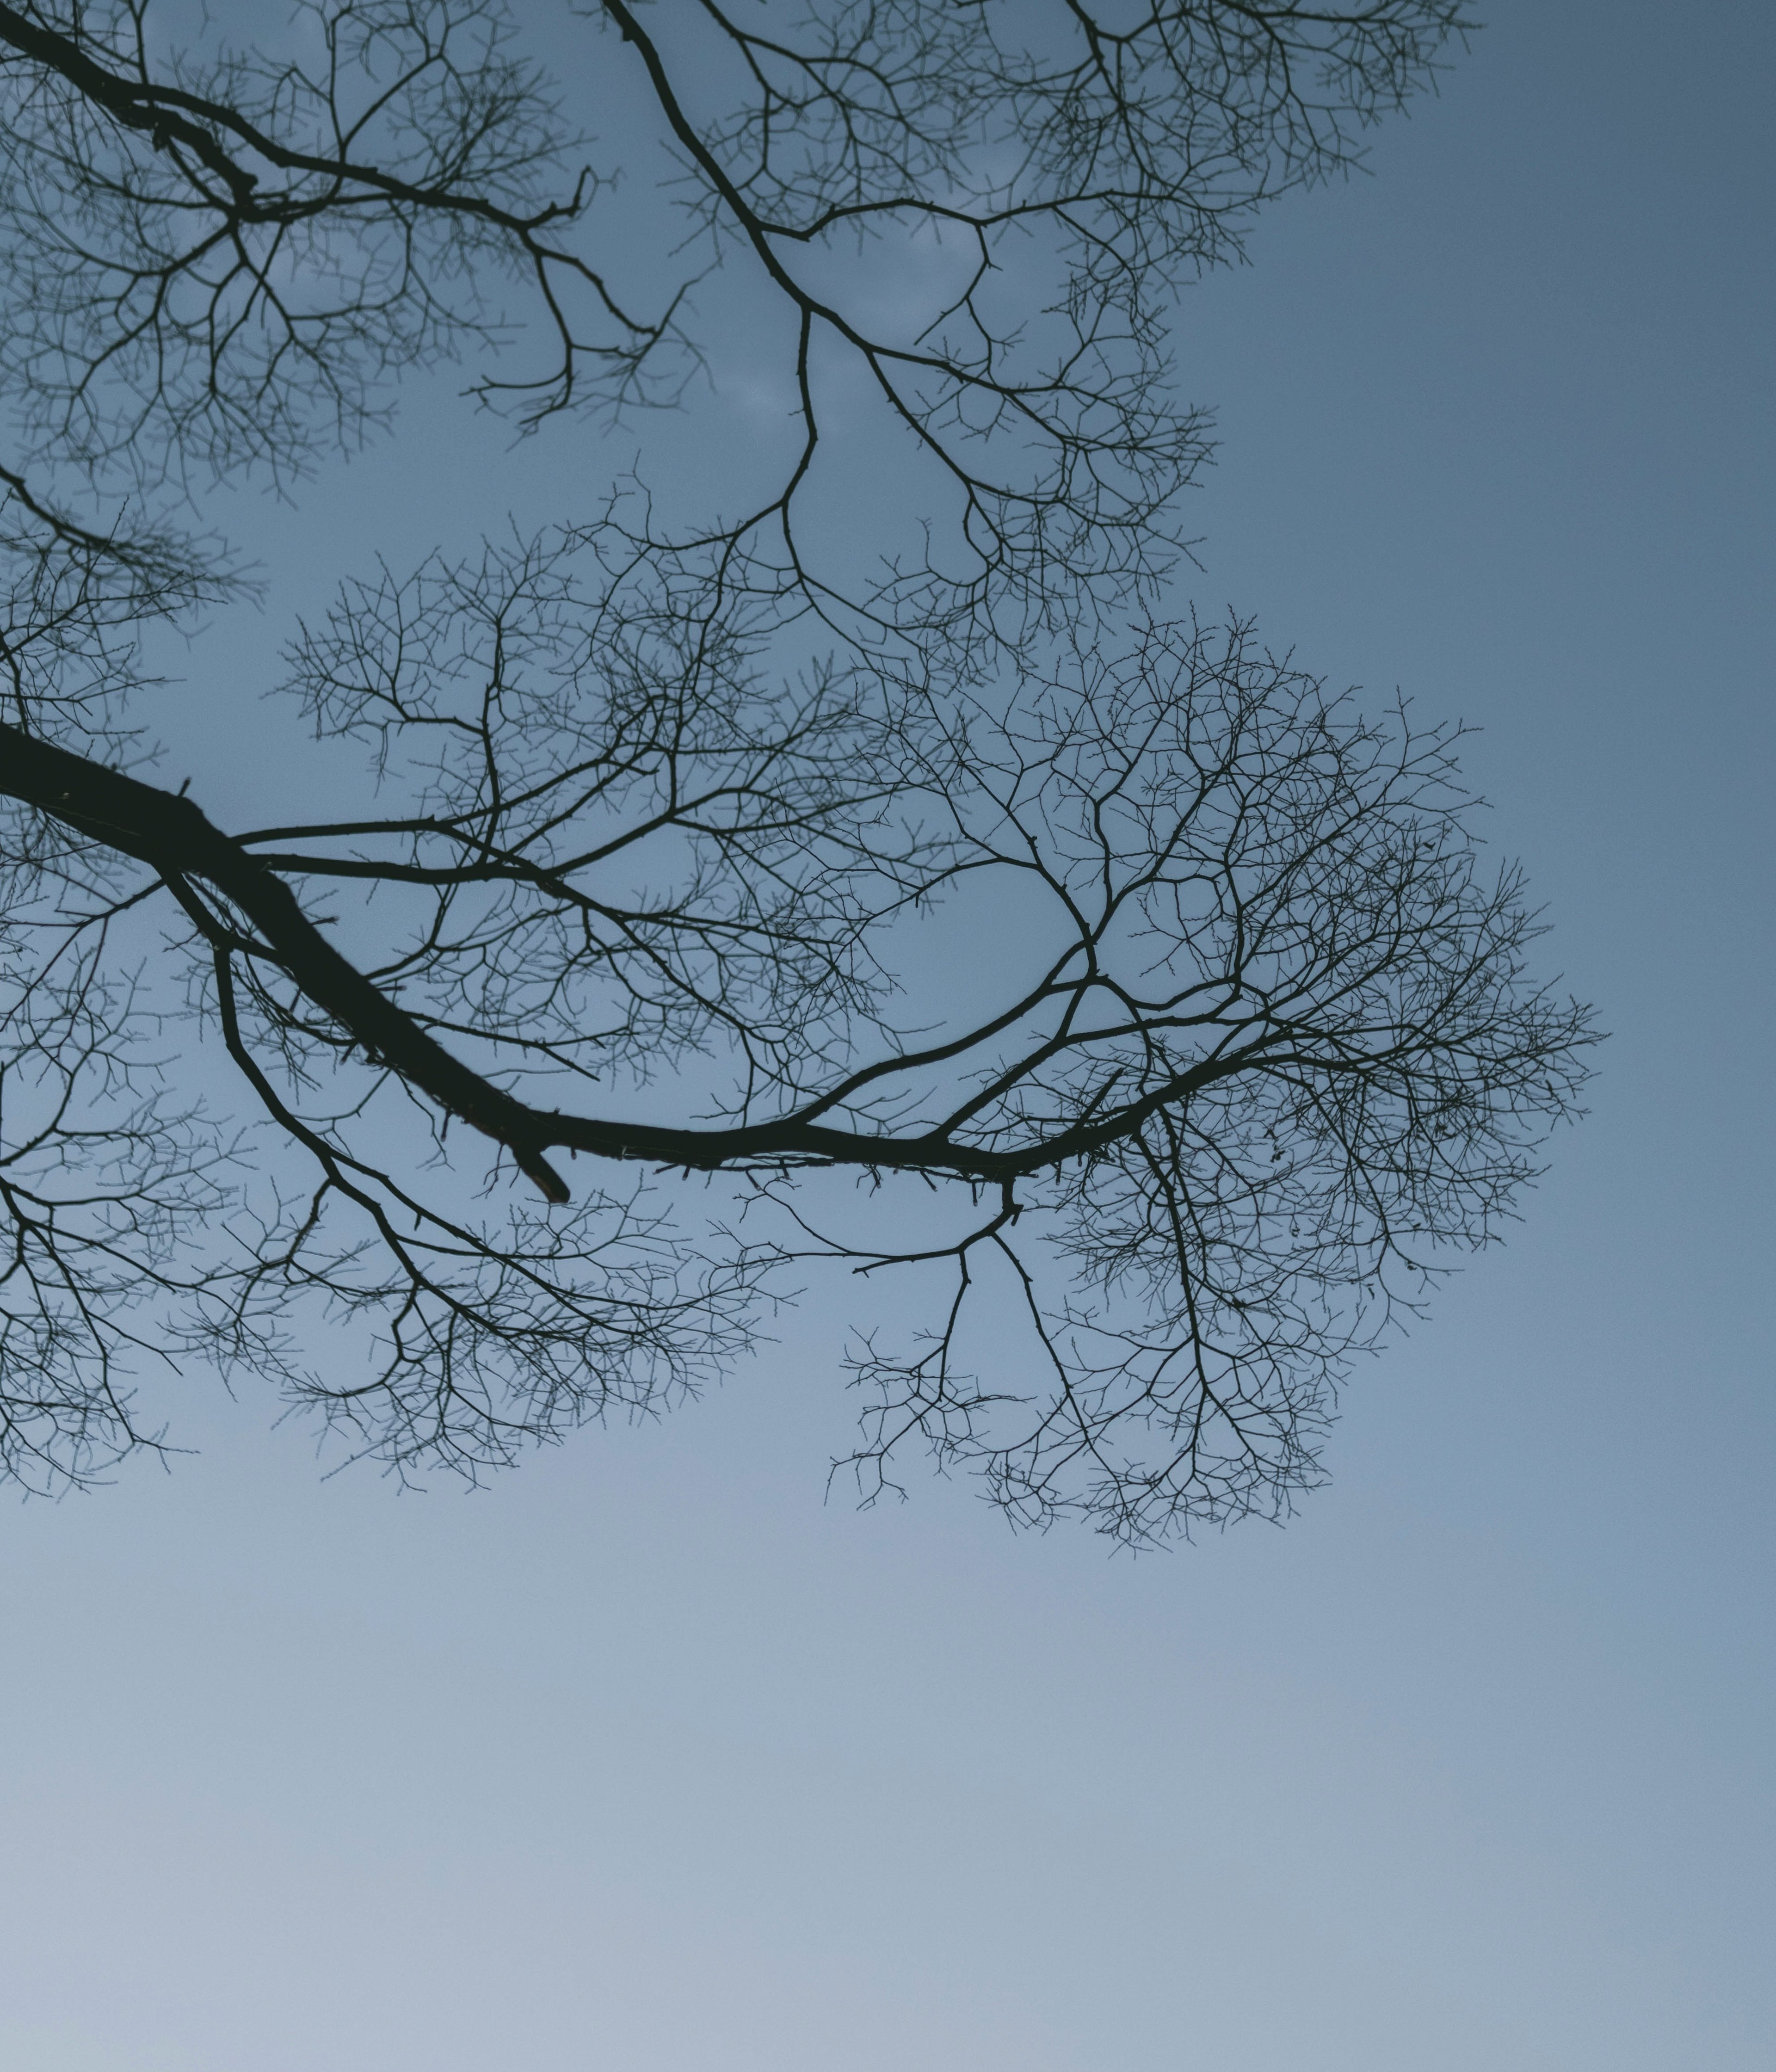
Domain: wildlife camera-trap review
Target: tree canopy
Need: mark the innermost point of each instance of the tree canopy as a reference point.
(661, 801)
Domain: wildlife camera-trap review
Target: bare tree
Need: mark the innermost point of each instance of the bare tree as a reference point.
(663, 802)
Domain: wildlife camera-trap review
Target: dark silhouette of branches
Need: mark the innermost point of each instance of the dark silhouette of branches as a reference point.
(1248, 1049)
(216, 259)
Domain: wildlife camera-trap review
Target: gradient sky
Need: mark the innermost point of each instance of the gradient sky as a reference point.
(647, 1760)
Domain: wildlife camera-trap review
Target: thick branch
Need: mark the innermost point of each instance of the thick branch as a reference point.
(174, 837)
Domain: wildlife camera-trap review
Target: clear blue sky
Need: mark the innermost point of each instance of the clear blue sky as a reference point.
(646, 1761)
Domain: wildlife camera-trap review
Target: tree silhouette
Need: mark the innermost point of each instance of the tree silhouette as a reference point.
(662, 805)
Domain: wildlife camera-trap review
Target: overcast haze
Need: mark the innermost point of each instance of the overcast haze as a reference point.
(647, 1759)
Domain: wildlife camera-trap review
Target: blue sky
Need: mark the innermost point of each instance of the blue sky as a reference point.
(648, 1759)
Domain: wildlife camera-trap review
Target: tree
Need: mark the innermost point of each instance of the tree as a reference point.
(663, 801)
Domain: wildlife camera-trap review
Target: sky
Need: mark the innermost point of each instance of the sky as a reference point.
(649, 1757)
